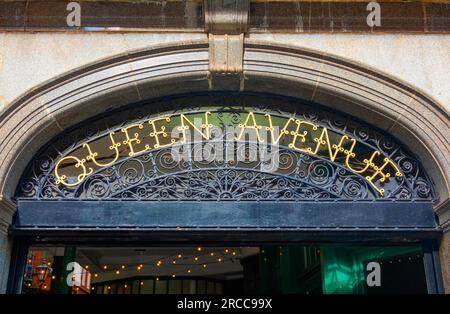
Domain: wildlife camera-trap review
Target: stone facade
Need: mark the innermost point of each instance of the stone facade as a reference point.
(51, 80)
(32, 59)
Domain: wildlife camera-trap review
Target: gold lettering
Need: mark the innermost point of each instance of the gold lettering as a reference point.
(155, 133)
(383, 175)
(302, 136)
(92, 155)
(134, 139)
(254, 127)
(368, 162)
(325, 139)
(79, 163)
(283, 131)
(205, 126)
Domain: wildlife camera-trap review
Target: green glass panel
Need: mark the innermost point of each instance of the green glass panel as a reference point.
(343, 268)
(69, 257)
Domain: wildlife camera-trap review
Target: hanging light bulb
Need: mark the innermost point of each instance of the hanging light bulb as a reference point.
(189, 271)
(234, 253)
(173, 276)
(226, 250)
(199, 249)
(95, 275)
(219, 260)
(196, 258)
(174, 262)
(204, 265)
(142, 283)
(105, 267)
(179, 256)
(117, 272)
(123, 266)
(212, 253)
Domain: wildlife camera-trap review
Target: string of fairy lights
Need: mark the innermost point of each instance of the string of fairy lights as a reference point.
(184, 264)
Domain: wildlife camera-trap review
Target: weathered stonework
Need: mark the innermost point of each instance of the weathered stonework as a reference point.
(443, 213)
(396, 107)
(226, 53)
(393, 106)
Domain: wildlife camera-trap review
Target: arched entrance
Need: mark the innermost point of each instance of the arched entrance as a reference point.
(269, 206)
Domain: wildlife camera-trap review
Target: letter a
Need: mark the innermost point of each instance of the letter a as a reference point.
(374, 17)
(74, 17)
(374, 277)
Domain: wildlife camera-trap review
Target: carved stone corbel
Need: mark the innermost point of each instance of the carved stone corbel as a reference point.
(226, 53)
(226, 21)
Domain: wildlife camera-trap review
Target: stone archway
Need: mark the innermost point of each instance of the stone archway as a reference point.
(399, 109)
(404, 112)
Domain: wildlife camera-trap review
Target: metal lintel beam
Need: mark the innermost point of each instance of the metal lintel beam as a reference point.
(213, 214)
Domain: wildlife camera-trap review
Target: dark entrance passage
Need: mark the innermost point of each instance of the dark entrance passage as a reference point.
(222, 270)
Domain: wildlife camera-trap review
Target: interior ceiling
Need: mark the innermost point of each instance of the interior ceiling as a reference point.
(221, 262)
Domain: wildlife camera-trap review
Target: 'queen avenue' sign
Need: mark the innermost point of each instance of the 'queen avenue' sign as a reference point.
(257, 128)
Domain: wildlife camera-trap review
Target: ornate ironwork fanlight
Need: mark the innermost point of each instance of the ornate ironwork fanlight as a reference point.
(320, 155)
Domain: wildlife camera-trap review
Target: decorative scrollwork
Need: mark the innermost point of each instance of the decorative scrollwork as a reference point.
(157, 175)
